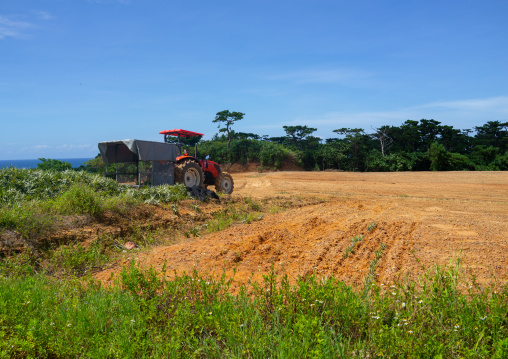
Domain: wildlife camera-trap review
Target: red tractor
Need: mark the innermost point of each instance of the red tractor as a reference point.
(193, 172)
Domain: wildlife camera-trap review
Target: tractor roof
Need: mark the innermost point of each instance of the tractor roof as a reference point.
(181, 133)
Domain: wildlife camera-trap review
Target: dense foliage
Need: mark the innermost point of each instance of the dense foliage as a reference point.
(414, 146)
(55, 165)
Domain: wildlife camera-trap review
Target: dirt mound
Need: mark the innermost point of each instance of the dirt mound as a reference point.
(414, 220)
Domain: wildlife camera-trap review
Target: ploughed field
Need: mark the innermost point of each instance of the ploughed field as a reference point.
(416, 220)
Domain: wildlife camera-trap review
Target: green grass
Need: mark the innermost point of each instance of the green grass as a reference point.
(196, 316)
(235, 214)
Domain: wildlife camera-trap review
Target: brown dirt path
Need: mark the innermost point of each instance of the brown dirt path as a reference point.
(423, 218)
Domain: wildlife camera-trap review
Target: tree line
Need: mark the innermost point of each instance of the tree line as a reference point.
(413, 146)
(424, 145)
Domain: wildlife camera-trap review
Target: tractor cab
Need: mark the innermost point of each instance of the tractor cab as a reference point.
(193, 171)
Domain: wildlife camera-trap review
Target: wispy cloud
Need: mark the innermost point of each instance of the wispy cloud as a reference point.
(460, 114)
(43, 15)
(12, 28)
(76, 147)
(498, 104)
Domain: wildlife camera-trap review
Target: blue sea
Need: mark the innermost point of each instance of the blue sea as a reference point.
(75, 162)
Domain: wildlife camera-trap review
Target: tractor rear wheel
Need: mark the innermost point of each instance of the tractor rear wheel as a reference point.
(189, 173)
(224, 183)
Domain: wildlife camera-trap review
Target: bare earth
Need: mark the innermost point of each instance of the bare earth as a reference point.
(423, 218)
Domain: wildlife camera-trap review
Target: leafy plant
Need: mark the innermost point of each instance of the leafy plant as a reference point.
(350, 248)
(371, 226)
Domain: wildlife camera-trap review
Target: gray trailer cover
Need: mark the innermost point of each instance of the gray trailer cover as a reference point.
(134, 150)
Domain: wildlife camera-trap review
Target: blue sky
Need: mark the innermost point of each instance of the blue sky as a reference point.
(77, 72)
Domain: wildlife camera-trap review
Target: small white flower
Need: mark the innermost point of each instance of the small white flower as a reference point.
(403, 305)
(69, 324)
(485, 317)
(241, 325)
(410, 332)
(375, 317)
(393, 293)
(210, 313)
(420, 302)
(133, 321)
(51, 323)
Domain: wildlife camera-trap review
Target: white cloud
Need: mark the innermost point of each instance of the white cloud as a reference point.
(499, 104)
(12, 28)
(460, 114)
(77, 147)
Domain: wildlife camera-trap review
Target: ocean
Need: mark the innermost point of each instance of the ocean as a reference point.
(75, 162)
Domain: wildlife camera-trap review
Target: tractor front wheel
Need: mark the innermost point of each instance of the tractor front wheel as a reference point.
(189, 173)
(224, 183)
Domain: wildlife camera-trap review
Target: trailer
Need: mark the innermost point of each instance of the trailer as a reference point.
(139, 162)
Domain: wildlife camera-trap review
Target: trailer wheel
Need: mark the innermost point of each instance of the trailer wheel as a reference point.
(189, 173)
(224, 183)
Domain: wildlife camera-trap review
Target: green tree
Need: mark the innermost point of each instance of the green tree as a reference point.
(439, 157)
(191, 141)
(331, 154)
(356, 137)
(227, 119)
(244, 135)
(382, 134)
(493, 133)
(409, 138)
(53, 165)
(297, 134)
(429, 131)
(454, 140)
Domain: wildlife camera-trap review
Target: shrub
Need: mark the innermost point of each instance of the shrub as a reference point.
(79, 199)
(53, 165)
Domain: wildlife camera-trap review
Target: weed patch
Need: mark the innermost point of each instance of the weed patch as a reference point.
(427, 318)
